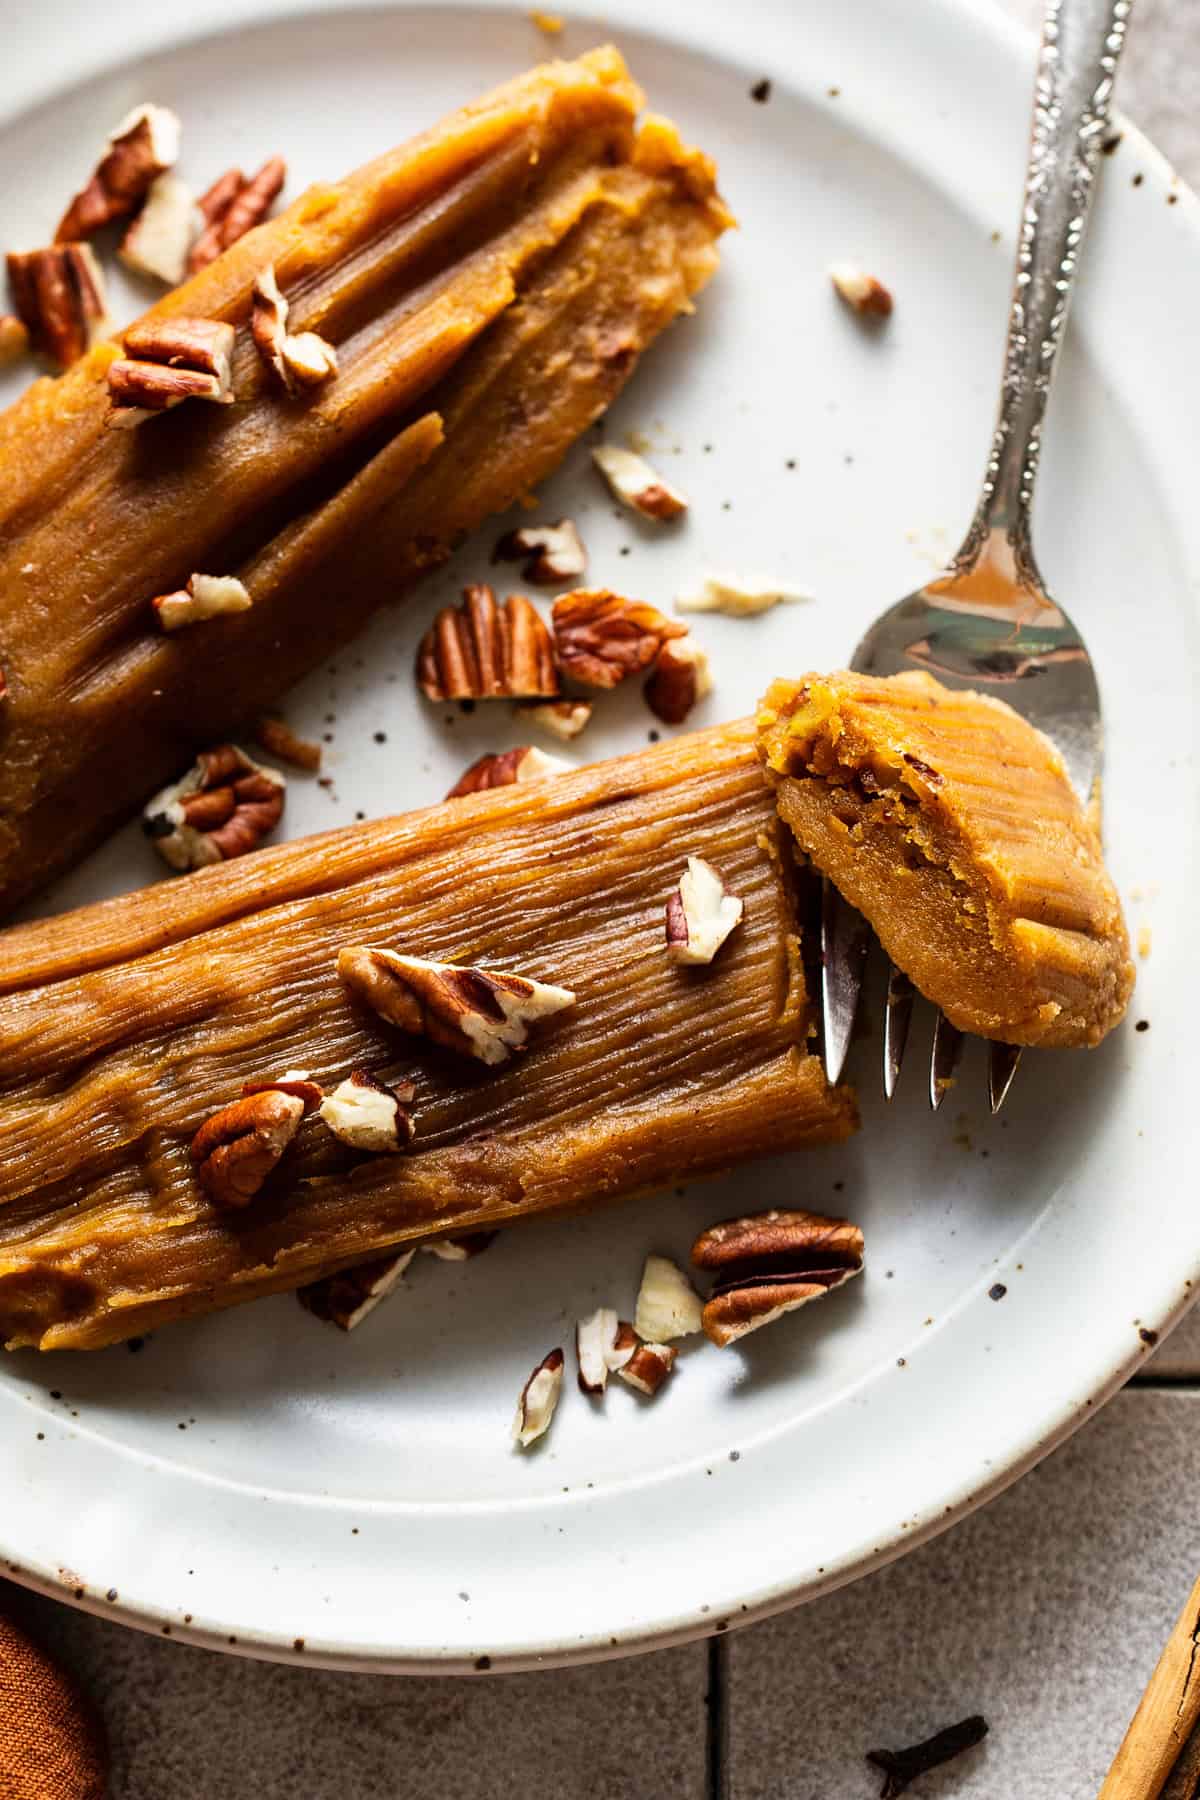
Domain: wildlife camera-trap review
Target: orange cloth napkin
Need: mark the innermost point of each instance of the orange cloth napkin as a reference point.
(51, 1742)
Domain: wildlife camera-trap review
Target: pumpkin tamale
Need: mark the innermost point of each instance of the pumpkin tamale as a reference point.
(950, 822)
(124, 1026)
(489, 288)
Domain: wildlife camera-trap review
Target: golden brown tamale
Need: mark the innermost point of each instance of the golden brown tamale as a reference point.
(950, 823)
(489, 288)
(124, 1026)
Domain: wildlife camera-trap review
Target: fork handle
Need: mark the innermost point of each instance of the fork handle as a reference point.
(1081, 45)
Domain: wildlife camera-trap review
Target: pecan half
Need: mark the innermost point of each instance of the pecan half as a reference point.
(636, 484)
(771, 1263)
(504, 767)
(278, 739)
(648, 1367)
(539, 1397)
(345, 1299)
(680, 677)
(701, 913)
(221, 808)
(168, 361)
(741, 597)
(668, 1306)
(368, 1115)
(596, 1349)
(232, 206)
(861, 292)
(480, 651)
(158, 240)
(60, 297)
(552, 553)
(600, 639)
(14, 339)
(236, 1149)
(484, 1013)
(563, 719)
(204, 597)
(297, 1082)
(143, 146)
(297, 360)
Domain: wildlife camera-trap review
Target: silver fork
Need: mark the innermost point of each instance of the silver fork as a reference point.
(990, 622)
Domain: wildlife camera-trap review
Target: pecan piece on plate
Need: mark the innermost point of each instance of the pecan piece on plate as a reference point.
(14, 339)
(345, 1299)
(740, 597)
(681, 676)
(144, 145)
(278, 739)
(603, 1344)
(701, 913)
(368, 1115)
(204, 597)
(769, 1264)
(861, 292)
(484, 1013)
(552, 554)
(668, 1306)
(296, 359)
(221, 808)
(481, 651)
(504, 767)
(463, 1248)
(539, 1397)
(168, 361)
(60, 297)
(236, 1149)
(232, 206)
(648, 1367)
(158, 240)
(563, 719)
(636, 484)
(599, 638)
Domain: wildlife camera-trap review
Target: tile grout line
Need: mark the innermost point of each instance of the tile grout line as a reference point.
(716, 1700)
(1184, 1384)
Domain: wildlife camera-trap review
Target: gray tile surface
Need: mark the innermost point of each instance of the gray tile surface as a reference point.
(188, 1724)
(1178, 1357)
(1046, 1612)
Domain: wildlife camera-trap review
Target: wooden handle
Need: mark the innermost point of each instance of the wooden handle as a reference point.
(1163, 1722)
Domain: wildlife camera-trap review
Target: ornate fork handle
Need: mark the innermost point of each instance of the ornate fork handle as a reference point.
(1081, 44)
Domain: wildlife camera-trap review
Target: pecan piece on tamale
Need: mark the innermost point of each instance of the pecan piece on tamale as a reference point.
(951, 824)
(125, 1026)
(488, 290)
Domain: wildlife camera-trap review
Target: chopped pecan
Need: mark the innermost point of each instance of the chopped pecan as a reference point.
(701, 913)
(345, 1299)
(463, 1248)
(278, 739)
(668, 1306)
(648, 1367)
(596, 1349)
(740, 597)
(168, 361)
(862, 292)
(14, 339)
(204, 597)
(599, 638)
(680, 677)
(634, 482)
(297, 1082)
(771, 1263)
(563, 719)
(60, 297)
(297, 360)
(503, 767)
(222, 807)
(366, 1114)
(144, 145)
(539, 1397)
(236, 1149)
(484, 1013)
(553, 553)
(232, 206)
(481, 651)
(158, 240)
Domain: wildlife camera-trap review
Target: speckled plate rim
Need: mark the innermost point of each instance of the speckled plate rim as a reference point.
(964, 38)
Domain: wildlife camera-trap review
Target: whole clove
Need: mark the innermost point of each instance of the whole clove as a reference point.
(901, 1767)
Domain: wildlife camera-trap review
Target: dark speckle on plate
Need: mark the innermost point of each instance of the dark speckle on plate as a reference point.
(997, 1291)
(761, 91)
(1147, 1336)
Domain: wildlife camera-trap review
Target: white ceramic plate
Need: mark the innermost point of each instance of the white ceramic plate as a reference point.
(257, 1480)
